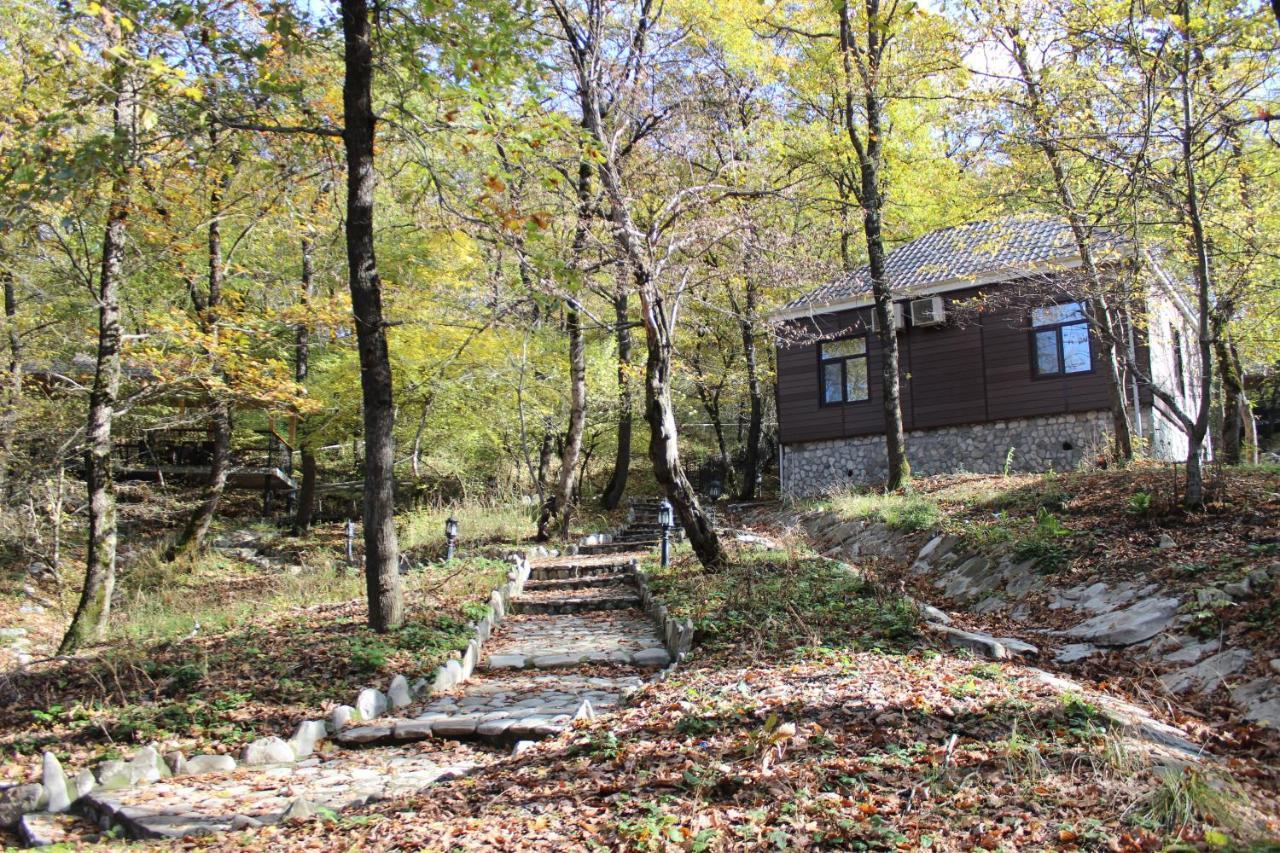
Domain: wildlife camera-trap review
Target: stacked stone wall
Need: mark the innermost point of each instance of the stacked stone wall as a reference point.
(1057, 442)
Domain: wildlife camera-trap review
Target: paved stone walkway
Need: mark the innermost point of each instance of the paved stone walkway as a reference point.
(583, 649)
(216, 802)
(540, 671)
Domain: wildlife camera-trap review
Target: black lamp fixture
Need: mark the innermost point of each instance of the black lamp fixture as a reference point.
(450, 535)
(665, 521)
(715, 490)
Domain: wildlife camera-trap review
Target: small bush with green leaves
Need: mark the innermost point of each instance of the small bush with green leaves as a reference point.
(1139, 503)
(1084, 719)
(428, 642)
(1042, 542)
(369, 654)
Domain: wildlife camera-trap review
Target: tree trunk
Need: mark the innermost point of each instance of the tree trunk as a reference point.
(381, 552)
(617, 486)
(755, 426)
(192, 536)
(13, 384)
(306, 491)
(1105, 329)
(301, 367)
(1194, 496)
(545, 452)
(870, 158)
(664, 447)
(94, 610)
(197, 526)
(577, 416)
(1239, 429)
(415, 454)
(1106, 332)
(710, 400)
(561, 503)
(722, 444)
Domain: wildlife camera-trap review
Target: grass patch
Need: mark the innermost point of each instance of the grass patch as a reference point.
(478, 525)
(907, 512)
(777, 600)
(1187, 798)
(213, 593)
(271, 648)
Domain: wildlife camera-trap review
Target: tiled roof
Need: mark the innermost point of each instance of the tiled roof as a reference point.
(974, 250)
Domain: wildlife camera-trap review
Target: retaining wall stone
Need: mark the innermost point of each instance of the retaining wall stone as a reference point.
(1058, 442)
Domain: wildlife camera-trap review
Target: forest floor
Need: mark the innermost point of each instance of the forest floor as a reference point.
(816, 715)
(1123, 529)
(206, 654)
(814, 712)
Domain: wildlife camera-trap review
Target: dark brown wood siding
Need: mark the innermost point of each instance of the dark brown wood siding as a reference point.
(976, 368)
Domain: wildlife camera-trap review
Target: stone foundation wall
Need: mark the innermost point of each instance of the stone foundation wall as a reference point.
(1058, 442)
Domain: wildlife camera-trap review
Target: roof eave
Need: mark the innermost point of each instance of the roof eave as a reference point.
(931, 288)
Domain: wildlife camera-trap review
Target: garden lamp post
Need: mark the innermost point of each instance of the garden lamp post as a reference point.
(665, 522)
(714, 490)
(450, 536)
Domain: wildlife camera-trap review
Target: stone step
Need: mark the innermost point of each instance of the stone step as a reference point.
(654, 657)
(571, 583)
(501, 709)
(573, 639)
(593, 571)
(501, 731)
(570, 604)
(644, 536)
(618, 547)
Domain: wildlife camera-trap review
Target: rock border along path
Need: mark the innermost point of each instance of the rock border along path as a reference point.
(567, 638)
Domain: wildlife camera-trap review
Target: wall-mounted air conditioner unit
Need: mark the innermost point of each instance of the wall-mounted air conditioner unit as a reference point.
(899, 321)
(928, 311)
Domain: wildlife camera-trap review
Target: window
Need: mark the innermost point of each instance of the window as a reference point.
(1060, 334)
(1178, 375)
(843, 370)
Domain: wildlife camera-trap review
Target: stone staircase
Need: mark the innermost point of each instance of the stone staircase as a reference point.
(574, 637)
(641, 532)
(573, 644)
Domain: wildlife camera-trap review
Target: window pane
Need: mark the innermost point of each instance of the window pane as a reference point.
(831, 383)
(856, 387)
(1047, 353)
(1075, 349)
(1050, 314)
(846, 347)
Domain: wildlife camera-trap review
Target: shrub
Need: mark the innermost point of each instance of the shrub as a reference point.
(368, 654)
(1138, 503)
(1042, 544)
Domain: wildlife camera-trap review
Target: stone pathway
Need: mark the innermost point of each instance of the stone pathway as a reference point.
(583, 649)
(217, 802)
(575, 643)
